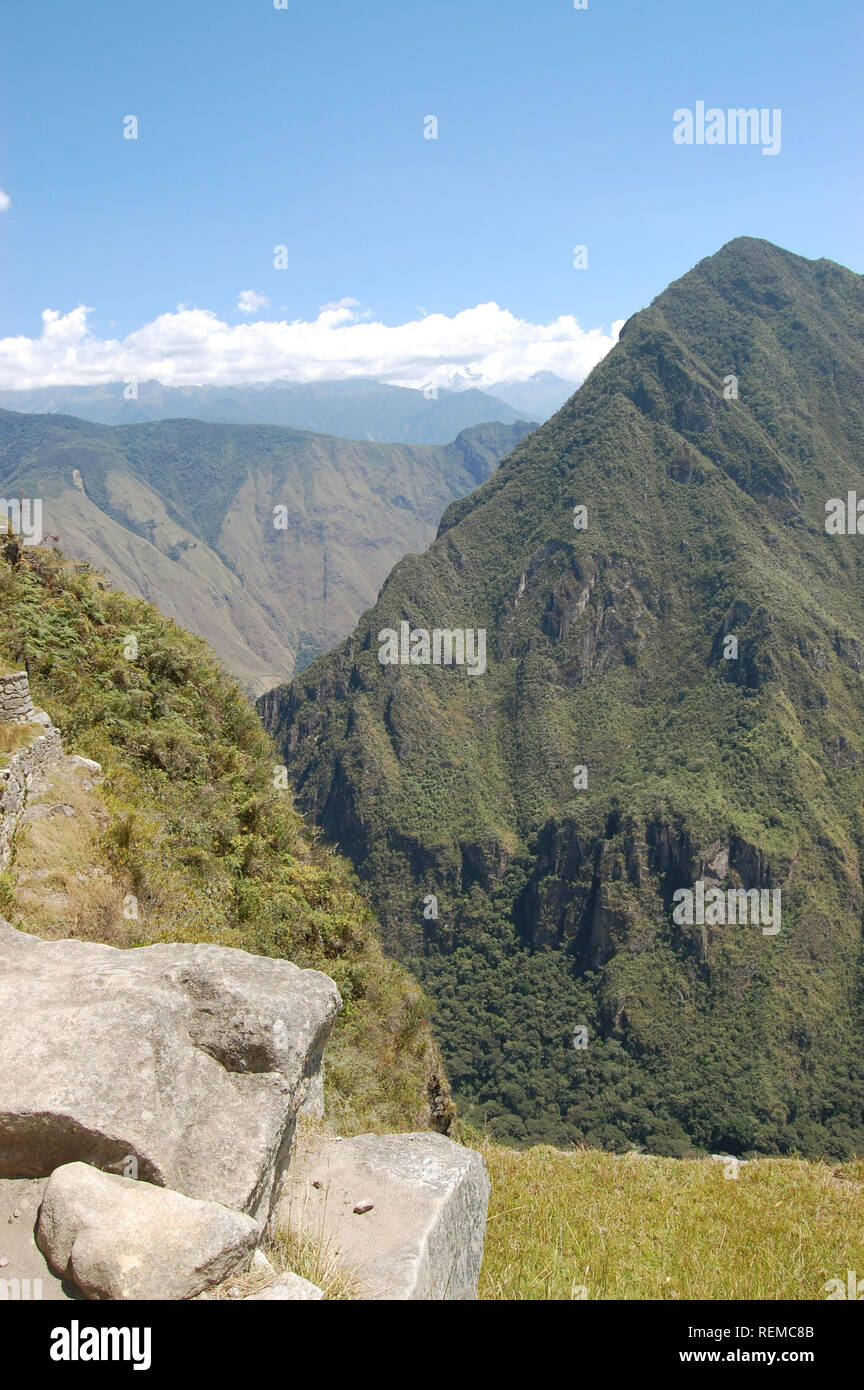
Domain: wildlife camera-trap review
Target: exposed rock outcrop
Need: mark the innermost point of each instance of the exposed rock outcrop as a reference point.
(184, 1065)
(157, 1090)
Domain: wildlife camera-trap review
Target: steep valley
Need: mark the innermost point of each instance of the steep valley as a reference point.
(269, 542)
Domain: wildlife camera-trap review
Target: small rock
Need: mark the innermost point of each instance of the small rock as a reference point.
(287, 1287)
(3, 1264)
(87, 764)
(316, 1184)
(362, 1208)
(261, 1265)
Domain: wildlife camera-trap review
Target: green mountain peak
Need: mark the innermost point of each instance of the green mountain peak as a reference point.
(672, 698)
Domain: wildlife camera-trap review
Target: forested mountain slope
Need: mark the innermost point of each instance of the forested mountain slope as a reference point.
(619, 748)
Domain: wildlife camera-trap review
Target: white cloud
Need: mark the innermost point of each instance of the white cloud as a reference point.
(485, 344)
(5, 201)
(249, 300)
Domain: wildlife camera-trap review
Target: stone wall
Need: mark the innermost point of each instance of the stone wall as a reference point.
(15, 700)
(17, 776)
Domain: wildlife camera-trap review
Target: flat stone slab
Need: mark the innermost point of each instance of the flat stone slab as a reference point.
(181, 1065)
(405, 1214)
(116, 1238)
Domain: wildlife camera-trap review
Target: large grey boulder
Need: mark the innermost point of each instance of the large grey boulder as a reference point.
(183, 1065)
(405, 1214)
(115, 1238)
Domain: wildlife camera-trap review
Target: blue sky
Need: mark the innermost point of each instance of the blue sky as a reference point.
(304, 127)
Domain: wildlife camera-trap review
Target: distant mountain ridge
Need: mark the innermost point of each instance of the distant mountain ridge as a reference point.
(357, 409)
(540, 396)
(268, 542)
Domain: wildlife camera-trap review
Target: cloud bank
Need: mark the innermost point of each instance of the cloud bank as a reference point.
(194, 347)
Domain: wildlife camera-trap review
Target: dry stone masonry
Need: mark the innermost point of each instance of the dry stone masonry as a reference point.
(26, 764)
(16, 704)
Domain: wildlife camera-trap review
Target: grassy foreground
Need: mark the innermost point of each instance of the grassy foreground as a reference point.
(636, 1227)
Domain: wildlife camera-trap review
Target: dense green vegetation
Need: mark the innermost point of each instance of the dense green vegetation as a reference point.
(606, 649)
(197, 827)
